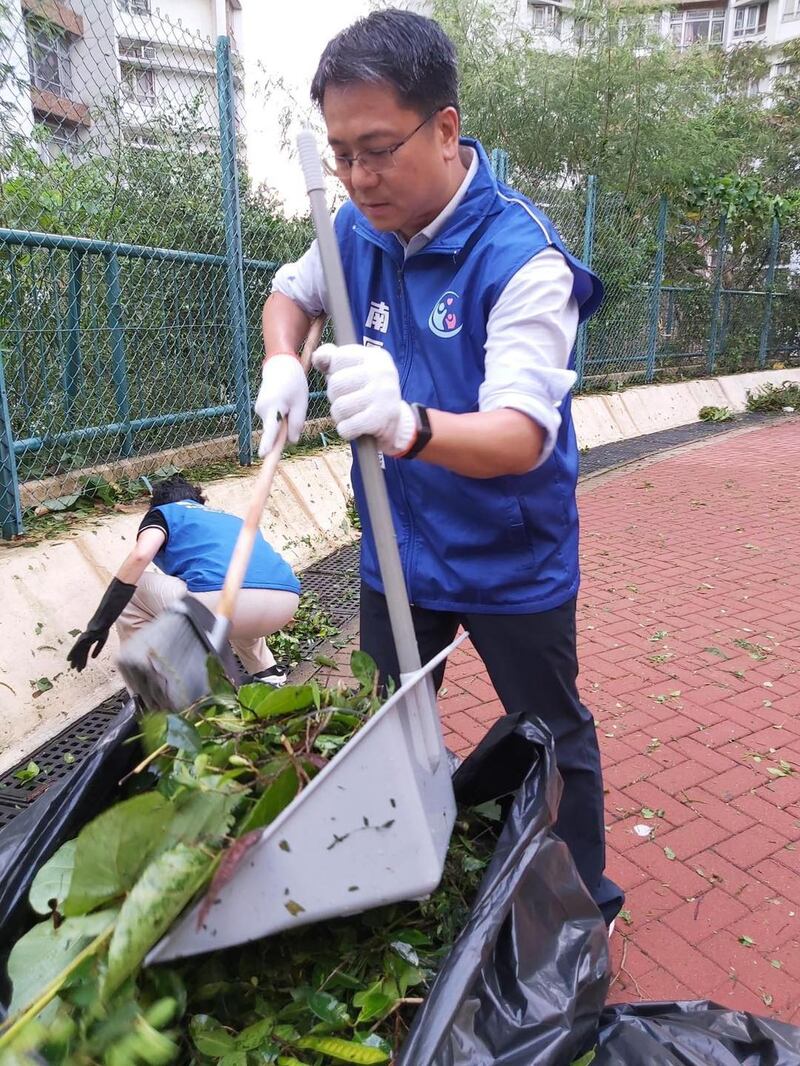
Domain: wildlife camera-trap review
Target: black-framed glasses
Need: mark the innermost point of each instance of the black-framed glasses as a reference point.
(373, 160)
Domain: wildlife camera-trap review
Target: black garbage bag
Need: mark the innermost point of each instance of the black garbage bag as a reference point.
(28, 841)
(528, 976)
(696, 1033)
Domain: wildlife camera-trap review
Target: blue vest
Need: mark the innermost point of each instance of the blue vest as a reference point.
(504, 545)
(200, 545)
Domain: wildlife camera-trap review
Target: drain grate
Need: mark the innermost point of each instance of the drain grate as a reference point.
(8, 812)
(58, 757)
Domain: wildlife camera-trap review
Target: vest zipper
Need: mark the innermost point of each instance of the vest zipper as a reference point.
(407, 555)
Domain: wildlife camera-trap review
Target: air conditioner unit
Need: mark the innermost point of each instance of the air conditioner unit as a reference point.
(148, 51)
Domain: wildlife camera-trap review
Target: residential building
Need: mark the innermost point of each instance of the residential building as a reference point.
(726, 23)
(83, 71)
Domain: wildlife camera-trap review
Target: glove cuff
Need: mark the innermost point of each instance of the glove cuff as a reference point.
(116, 598)
(406, 432)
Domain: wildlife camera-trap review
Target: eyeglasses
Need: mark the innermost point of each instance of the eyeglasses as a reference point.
(373, 160)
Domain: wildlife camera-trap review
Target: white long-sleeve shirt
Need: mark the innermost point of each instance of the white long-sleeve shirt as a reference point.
(529, 335)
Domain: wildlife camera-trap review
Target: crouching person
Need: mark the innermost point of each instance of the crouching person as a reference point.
(191, 544)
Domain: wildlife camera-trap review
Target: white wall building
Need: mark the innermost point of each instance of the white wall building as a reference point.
(727, 23)
(85, 71)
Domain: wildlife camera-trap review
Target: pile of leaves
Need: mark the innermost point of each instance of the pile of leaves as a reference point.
(310, 625)
(342, 992)
(784, 397)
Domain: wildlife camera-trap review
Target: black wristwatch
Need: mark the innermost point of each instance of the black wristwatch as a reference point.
(424, 431)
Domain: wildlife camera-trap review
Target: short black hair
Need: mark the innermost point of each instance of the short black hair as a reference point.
(408, 52)
(174, 489)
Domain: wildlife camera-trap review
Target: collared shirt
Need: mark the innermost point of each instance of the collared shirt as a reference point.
(530, 332)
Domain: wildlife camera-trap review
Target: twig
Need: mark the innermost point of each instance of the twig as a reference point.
(55, 986)
(622, 969)
(146, 762)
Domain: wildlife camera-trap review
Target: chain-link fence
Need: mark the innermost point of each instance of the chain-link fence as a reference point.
(136, 252)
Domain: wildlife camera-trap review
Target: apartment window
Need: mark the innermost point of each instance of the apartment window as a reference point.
(56, 140)
(48, 58)
(141, 50)
(699, 25)
(139, 84)
(782, 70)
(545, 18)
(135, 7)
(750, 20)
(791, 10)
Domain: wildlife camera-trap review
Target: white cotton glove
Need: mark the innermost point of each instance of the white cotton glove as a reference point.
(364, 393)
(283, 394)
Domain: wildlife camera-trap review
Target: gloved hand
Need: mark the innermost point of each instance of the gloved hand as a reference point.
(283, 394)
(116, 599)
(364, 393)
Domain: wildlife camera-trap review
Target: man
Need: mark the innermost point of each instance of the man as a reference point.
(191, 545)
(468, 304)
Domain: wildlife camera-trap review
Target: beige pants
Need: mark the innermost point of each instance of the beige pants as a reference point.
(258, 613)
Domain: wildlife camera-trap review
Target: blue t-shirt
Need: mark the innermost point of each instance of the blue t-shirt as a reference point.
(199, 546)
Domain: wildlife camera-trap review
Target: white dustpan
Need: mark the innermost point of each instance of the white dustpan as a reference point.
(374, 826)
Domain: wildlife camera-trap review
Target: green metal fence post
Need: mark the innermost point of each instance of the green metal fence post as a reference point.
(119, 369)
(10, 510)
(499, 162)
(774, 244)
(716, 296)
(655, 293)
(72, 362)
(588, 249)
(231, 209)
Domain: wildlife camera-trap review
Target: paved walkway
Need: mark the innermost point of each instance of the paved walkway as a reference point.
(689, 629)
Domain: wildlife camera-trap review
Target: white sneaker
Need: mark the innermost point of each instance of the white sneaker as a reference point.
(275, 676)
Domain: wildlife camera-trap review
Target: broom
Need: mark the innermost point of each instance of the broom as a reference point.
(165, 663)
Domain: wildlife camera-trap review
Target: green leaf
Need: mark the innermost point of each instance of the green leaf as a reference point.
(325, 1006)
(28, 773)
(199, 816)
(52, 880)
(647, 812)
(586, 1059)
(254, 1035)
(669, 853)
(42, 684)
(325, 660)
(273, 800)
(182, 735)
(374, 1003)
(344, 1050)
(219, 682)
(209, 1037)
(267, 702)
(405, 951)
(43, 952)
(364, 669)
(747, 941)
(155, 901)
(113, 850)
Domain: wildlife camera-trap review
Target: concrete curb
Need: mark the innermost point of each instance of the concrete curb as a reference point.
(54, 587)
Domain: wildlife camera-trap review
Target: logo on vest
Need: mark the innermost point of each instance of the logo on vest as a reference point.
(444, 319)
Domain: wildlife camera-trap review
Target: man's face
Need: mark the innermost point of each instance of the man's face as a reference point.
(415, 187)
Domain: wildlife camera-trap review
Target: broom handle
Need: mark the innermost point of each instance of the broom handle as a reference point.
(243, 549)
(380, 515)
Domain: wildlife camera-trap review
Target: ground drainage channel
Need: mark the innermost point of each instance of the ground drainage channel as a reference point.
(334, 580)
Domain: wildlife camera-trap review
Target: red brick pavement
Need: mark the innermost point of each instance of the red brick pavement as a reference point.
(689, 637)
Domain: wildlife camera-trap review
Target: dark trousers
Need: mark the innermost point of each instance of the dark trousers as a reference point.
(533, 664)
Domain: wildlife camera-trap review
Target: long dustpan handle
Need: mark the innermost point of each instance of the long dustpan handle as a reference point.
(243, 549)
(380, 516)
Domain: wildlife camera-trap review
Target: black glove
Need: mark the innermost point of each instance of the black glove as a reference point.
(113, 603)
